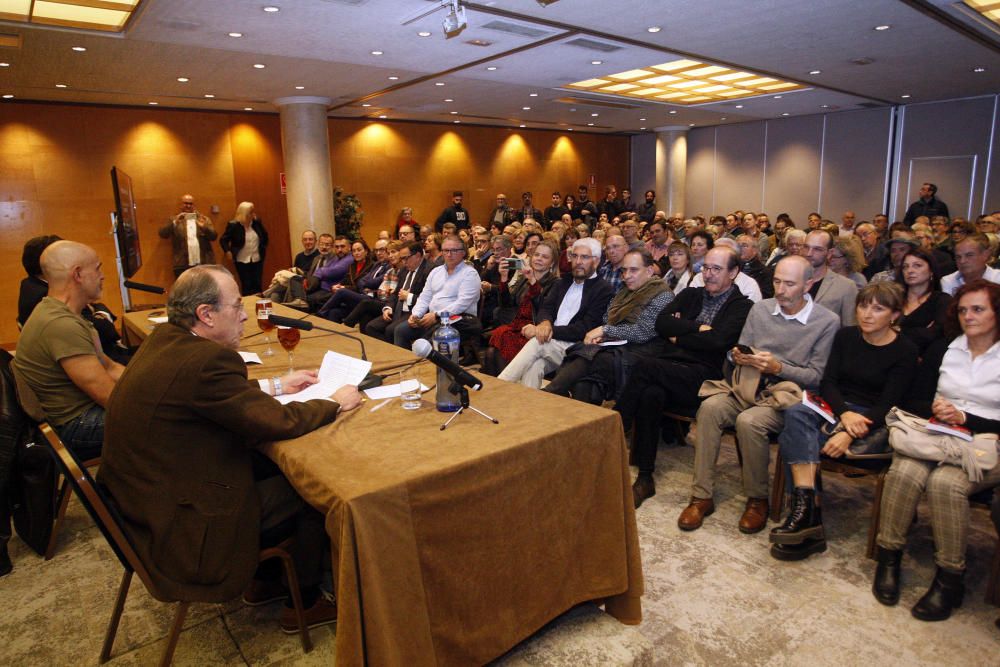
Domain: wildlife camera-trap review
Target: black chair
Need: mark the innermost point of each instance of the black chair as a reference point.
(112, 527)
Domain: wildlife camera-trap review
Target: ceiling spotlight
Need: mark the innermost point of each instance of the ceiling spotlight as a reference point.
(376, 53)
(448, 99)
(824, 106)
(571, 129)
(79, 49)
(183, 79)
(785, 114)
(690, 124)
(525, 108)
(393, 78)
(453, 113)
(60, 85)
(4, 64)
(8, 96)
(153, 104)
(522, 126)
(596, 62)
(439, 83)
(905, 97)
(236, 34)
(723, 118)
(642, 128)
(777, 97)
(423, 33)
(590, 125)
(300, 87)
(532, 94)
(739, 106)
(641, 119)
(456, 121)
(248, 108)
(366, 104)
(491, 68)
(209, 95)
(672, 111)
(978, 70)
(880, 28)
(259, 66)
(653, 28)
(815, 71)
(382, 116)
(455, 22)
(594, 115)
(271, 9)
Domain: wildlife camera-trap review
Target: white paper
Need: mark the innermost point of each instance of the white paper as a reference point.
(609, 343)
(388, 391)
(336, 371)
(250, 357)
(158, 320)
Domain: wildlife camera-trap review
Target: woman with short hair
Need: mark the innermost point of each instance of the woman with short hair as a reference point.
(245, 242)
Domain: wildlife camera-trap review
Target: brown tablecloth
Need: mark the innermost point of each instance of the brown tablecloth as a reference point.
(451, 547)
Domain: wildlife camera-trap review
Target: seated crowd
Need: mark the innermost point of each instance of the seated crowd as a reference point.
(726, 321)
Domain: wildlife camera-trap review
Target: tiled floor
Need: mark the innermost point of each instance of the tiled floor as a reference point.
(713, 597)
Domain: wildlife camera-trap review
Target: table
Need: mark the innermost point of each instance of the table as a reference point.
(451, 547)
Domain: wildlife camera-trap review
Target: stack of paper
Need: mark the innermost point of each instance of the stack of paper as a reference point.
(336, 371)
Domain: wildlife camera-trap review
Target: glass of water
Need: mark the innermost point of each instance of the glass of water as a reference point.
(409, 389)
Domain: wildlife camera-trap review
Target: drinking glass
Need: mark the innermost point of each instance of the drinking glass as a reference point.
(409, 389)
(263, 307)
(289, 338)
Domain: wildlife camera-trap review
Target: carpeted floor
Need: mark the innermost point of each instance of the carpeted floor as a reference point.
(713, 597)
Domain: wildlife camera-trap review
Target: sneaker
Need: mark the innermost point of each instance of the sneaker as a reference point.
(297, 303)
(260, 592)
(323, 612)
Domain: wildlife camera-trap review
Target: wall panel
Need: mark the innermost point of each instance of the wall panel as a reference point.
(854, 163)
(699, 193)
(739, 167)
(792, 168)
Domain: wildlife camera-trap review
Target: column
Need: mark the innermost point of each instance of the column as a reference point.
(671, 169)
(305, 145)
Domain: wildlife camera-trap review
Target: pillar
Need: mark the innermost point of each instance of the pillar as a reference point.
(305, 146)
(671, 169)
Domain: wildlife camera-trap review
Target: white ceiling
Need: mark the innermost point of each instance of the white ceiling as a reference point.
(929, 53)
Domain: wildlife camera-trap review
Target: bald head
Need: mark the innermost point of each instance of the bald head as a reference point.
(61, 258)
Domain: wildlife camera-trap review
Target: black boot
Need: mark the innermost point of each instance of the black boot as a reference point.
(5, 565)
(886, 584)
(643, 488)
(946, 593)
(803, 522)
(801, 551)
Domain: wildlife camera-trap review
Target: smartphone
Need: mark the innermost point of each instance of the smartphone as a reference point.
(744, 349)
(515, 264)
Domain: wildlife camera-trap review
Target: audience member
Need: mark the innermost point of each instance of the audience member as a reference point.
(614, 254)
(789, 337)
(659, 239)
(330, 270)
(244, 242)
(191, 235)
(647, 209)
(752, 267)
(454, 214)
(700, 242)
(676, 271)
(405, 219)
(304, 259)
(363, 280)
(925, 306)
(972, 255)
(555, 212)
(410, 284)
(370, 308)
(928, 204)
(527, 210)
(847, 259)
(501, 214)
(744, 283)
(33, 287)
(827, 288)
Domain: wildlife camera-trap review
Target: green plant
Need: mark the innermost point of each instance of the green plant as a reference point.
(347, 214)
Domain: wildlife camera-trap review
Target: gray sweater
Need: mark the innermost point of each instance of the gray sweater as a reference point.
(802, 349)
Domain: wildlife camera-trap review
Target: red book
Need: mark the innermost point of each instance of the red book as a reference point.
(815, 402)
(951, 429)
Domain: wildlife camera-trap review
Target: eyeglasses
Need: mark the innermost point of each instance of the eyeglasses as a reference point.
(452, 251)
(584, 258)
(708, 268)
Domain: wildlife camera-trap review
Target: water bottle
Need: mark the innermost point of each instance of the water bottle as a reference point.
(447, 342)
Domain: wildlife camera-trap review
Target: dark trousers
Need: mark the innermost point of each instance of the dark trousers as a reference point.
(584, 379)
(379, 328)
(364, 312)
(284, 514)
(341, 303)
(251, 274)
(656, 385)
(84, 434)
(469, 329)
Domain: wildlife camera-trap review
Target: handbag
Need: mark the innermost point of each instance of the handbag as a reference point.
(909, 435)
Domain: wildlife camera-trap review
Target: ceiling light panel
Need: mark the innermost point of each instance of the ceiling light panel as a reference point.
(989, 9)
(106, 15)
(685, 82)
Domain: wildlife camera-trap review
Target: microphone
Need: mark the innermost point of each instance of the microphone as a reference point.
(143, 287)
(306, 325)
(423, 349)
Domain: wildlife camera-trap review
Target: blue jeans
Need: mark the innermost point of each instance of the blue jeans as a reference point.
(801, 439)
(84, 435)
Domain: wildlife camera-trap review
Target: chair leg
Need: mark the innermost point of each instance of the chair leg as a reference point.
(293, 587)
(116, 617)
(175, 632)
(778, 488)
(993, 583)
(876, 519)
(62, 500)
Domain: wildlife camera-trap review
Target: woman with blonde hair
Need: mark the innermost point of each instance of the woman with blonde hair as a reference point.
(847, 259)
(245, 242)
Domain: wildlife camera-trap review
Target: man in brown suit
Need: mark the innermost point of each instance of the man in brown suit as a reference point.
(191, 235)
(180, 461)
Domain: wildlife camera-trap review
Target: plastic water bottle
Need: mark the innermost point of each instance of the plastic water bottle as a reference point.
(447, 342)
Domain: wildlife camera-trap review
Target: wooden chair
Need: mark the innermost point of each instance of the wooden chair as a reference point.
(869, 465)
(62, 503)
(112, 527)
(993, 583)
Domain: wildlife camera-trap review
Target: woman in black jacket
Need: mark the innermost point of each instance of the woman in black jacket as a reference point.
(245, 243)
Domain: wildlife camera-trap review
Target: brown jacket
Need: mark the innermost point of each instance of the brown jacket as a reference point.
(176, 231)
(180, 425)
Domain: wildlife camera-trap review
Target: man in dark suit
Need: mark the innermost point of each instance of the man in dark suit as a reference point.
(697, 329)
(574, 306)
(180, 458)
(408, 287)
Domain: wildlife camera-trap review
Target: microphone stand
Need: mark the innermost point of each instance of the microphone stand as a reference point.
(457, 387)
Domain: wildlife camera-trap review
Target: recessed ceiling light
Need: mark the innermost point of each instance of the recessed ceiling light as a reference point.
(453, 113)
(4, 64)
(522, 126)
(785, 114)
(642, 119)
(642, 128)
(60, 85)
(723, 118)
(590, 125)
(532, 94)
(153, 104)
(183, 79)
(596, 62)
(777, 97)
(672, 112)
(209, 95)
(739, 106)
(905, 97)
(572, 109)
(259, 66)
(236, 34)
(300, 87)
(456, 121)
(571, 129)
(393, 78)
(824, 106)
(271, 9)
(8, 96)
(653, 28)
(439, 83)
(880, 28)
(815, 71)
(366, 104)
(382, 116)
(491, 68)
(978, 70)
(376, 53)
(248, 108)
(690, 124)
(594, 115)
(448, 99)
(79, 49)
(525, 108)
(423, 33)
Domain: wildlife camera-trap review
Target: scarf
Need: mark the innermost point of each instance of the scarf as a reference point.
(627, 304)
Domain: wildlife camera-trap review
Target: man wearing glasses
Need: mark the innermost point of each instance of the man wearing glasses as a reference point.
(451, 288)
(572, 308)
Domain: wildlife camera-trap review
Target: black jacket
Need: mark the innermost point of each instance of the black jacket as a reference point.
(455, 214)
(930, 208)
(418, 285)
(708, 348)
(235, 237)
(597, 292)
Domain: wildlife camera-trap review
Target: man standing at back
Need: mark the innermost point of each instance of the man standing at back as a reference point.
(59, 354)
(183, 427)
(928, 204)
(454, 214)
(191, 235)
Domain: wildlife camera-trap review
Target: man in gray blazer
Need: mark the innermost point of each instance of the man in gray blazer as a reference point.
(830, 289)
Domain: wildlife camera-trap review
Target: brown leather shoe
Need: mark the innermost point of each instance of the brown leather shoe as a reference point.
(754, 516)
(694, 514)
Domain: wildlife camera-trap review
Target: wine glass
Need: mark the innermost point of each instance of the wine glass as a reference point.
(289, 338)
(264, 322)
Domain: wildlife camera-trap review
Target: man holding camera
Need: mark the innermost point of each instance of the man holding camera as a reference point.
(191, 235)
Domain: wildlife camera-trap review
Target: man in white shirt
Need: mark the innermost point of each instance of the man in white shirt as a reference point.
(191, 235)
(972, 255)
(744, 283)
(451, 288)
